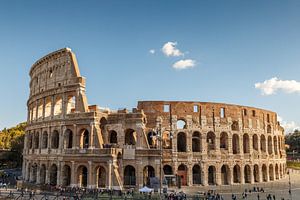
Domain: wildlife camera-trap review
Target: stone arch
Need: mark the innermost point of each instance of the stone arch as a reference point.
(235, 126)
(247, 174)
(34, 173)
(211, 175)
(43, 174)
(84, 139)
(148, 173)
(101, 177)
(236, 174)
(181, 124)
(197, 175)
(275, 145)
(246, 143)
(264, 173)
(271, 172)
(196, 142)
(181, 142)
(167, 140)
(53, 175)
(58, 106)
(151, 137)
(256, 173)
(45, 140)
(255, 142)
(129, 176)
(71, 104)
(48, 107)
(36, 140)
(182, 173)
(224, 141)
(68, 143)
(82, 176)
(263, 143)
(225, 175)
(130, 137)
(113, 137)
(270, 146)
(276, 171)
(55, 139)
(269, 129)
(168, 170)
(66, 175)
(235, 144)
(211, 141)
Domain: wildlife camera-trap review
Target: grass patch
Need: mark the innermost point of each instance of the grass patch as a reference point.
(293, 165)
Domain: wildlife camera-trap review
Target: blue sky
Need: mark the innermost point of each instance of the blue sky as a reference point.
(233, 44)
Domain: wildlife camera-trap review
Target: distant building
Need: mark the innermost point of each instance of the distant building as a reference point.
(71, 143)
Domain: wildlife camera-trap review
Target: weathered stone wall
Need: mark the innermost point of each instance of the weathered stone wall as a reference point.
(70, 143)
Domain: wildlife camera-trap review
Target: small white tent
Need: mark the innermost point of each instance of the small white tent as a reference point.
(146, 189)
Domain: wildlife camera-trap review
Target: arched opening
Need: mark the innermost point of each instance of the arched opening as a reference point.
(269, 129)
(276, 171)
(168, 172)
(255, 142)
(275, 145)
(247, 174)
(45, 140)
(103, 123)
(235, 144)
(270, 147)
(55, 140)
(181, 142)
(264, 173)
(167, 140)
(34, 173)
(225, 175)
(181, 124)
(211, 141)
(36, 140)
(29, 141)
(263, 143)
(40, 109)
(82, 177)
(224, 141)
(58, 106)
(212, 175)
(43, 174)
(101, 177)
(246, 145)
(84, 139)
(29, 172)
(236, 174)
(151, 137)
(182, 173)
(68, 139)
(148, 173)
(197, 175)
(48, 107)
(256, 173)
(53, 175)
(130, 137)
(129, 176)
(113, 137)
(271, 172)
(281, 173)
(71, 104)
(196, 142)
(66, 175)
(235, 126)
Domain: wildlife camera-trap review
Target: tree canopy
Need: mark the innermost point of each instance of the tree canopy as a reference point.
(293, 140)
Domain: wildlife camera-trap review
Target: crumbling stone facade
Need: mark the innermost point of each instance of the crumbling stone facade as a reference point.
(71, 143)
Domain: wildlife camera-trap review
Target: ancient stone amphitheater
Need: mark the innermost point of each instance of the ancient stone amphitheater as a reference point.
(71, 143)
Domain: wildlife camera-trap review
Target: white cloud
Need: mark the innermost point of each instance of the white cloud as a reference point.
(169, 49)
(184, 64)
(269, 87)
(289, 127)
(152, 51)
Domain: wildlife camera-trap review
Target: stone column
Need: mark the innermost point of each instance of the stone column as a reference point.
(38, 174)
(49, 137)
(109, 174)
(91, 138)
(252, 174)
(260, 174)
(74, 144)
(62, 137)
(90, 183)
(47, 181)
(40, 140)
(218, 175)
(44, 107)
(58, 173)
(204, 175)
(73, 175)
(242, 174)
(52, 106)
(230, 144)
(190, 175)
(230, 180)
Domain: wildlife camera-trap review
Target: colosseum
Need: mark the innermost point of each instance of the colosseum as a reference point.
(71, 143)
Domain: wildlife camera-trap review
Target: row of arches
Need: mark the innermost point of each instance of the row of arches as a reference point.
(44, 140)
(270, 144)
